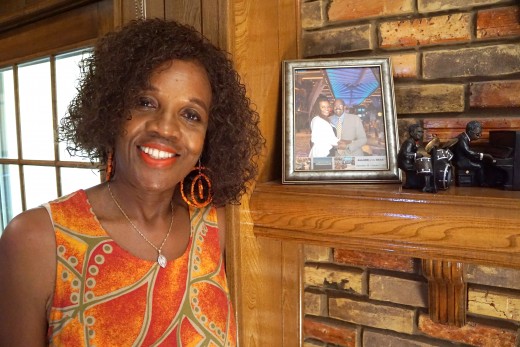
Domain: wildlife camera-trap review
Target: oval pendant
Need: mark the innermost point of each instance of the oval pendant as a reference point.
(161, 259)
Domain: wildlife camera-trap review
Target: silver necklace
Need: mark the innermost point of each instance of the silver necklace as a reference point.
(161, 259)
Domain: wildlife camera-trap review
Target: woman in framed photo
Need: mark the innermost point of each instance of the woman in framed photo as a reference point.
(323, 138)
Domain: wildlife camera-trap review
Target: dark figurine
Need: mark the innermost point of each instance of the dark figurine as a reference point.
(429, 173)
(440, 177)
(469, 164)
(407, 156)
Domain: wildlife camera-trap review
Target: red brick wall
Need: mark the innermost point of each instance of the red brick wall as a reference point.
(452, 59)
(358, 299)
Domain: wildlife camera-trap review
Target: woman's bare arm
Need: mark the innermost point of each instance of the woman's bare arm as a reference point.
(27, 276)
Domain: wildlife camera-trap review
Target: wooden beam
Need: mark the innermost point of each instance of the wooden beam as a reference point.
(463, 224)
(15, 14)
(69, 30)
(447, 291)
(260, 34)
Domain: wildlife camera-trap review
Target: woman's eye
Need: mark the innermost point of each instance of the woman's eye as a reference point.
(192, 115)
(145, 102)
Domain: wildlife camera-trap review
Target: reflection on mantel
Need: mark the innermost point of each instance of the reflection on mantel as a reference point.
(466, 224)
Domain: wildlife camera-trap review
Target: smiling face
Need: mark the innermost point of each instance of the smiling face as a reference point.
(165, 136)
(324, 109)
(339, 107)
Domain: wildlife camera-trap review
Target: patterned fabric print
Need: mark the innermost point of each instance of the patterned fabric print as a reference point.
(105, 296)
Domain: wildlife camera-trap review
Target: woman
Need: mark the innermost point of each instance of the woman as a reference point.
(323, 138)
(137, 260)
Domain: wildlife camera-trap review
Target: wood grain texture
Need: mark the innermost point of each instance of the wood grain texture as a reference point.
(15, 13)
(292, 293)
(462, 224)
(244, 271)
(125, 11)
(447, 291)
(264, 276)
(57, 33)
(269, 299)
(269, 285)
(155, 9)
(185, 11)
(213, 20)
(259, 35)
(233, 259)
(265, 34)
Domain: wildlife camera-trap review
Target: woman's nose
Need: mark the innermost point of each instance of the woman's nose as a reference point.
(165, 124)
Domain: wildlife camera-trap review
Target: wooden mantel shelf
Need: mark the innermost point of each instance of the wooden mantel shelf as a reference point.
(472, 225)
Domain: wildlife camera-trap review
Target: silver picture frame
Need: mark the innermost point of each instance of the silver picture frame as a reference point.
(366, 88)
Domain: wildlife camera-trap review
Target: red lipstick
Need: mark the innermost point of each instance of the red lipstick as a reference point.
(157, 155)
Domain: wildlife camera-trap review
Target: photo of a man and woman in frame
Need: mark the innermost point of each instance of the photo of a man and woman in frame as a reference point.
(339, 119)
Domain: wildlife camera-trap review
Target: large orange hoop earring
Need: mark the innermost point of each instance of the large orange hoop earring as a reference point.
(196, 189)
(110, 166)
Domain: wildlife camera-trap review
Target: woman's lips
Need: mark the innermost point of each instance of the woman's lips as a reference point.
(157, 156)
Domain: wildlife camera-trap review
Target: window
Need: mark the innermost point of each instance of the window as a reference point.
(34, 167)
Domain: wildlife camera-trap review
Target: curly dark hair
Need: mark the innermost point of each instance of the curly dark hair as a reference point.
(316, 111)
(120, 68)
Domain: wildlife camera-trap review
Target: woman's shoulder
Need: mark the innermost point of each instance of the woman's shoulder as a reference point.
(27, 273)
(28, 248)
(31, 226)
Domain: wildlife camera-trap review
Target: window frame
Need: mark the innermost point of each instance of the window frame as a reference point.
(50, 36)
(57, 163)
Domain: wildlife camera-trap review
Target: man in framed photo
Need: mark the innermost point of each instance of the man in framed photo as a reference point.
(349, 129)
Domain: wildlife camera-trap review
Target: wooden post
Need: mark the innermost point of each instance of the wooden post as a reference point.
(447, 291)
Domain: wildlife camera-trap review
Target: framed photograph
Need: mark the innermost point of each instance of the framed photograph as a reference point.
(339, 122)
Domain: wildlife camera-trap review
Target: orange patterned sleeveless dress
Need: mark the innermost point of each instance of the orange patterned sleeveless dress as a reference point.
(105, 296)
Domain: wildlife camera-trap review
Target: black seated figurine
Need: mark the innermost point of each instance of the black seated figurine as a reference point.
(469, 164)
(407, 156)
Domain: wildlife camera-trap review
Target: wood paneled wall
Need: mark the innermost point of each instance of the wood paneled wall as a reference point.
(263, 33)
(207, 16)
